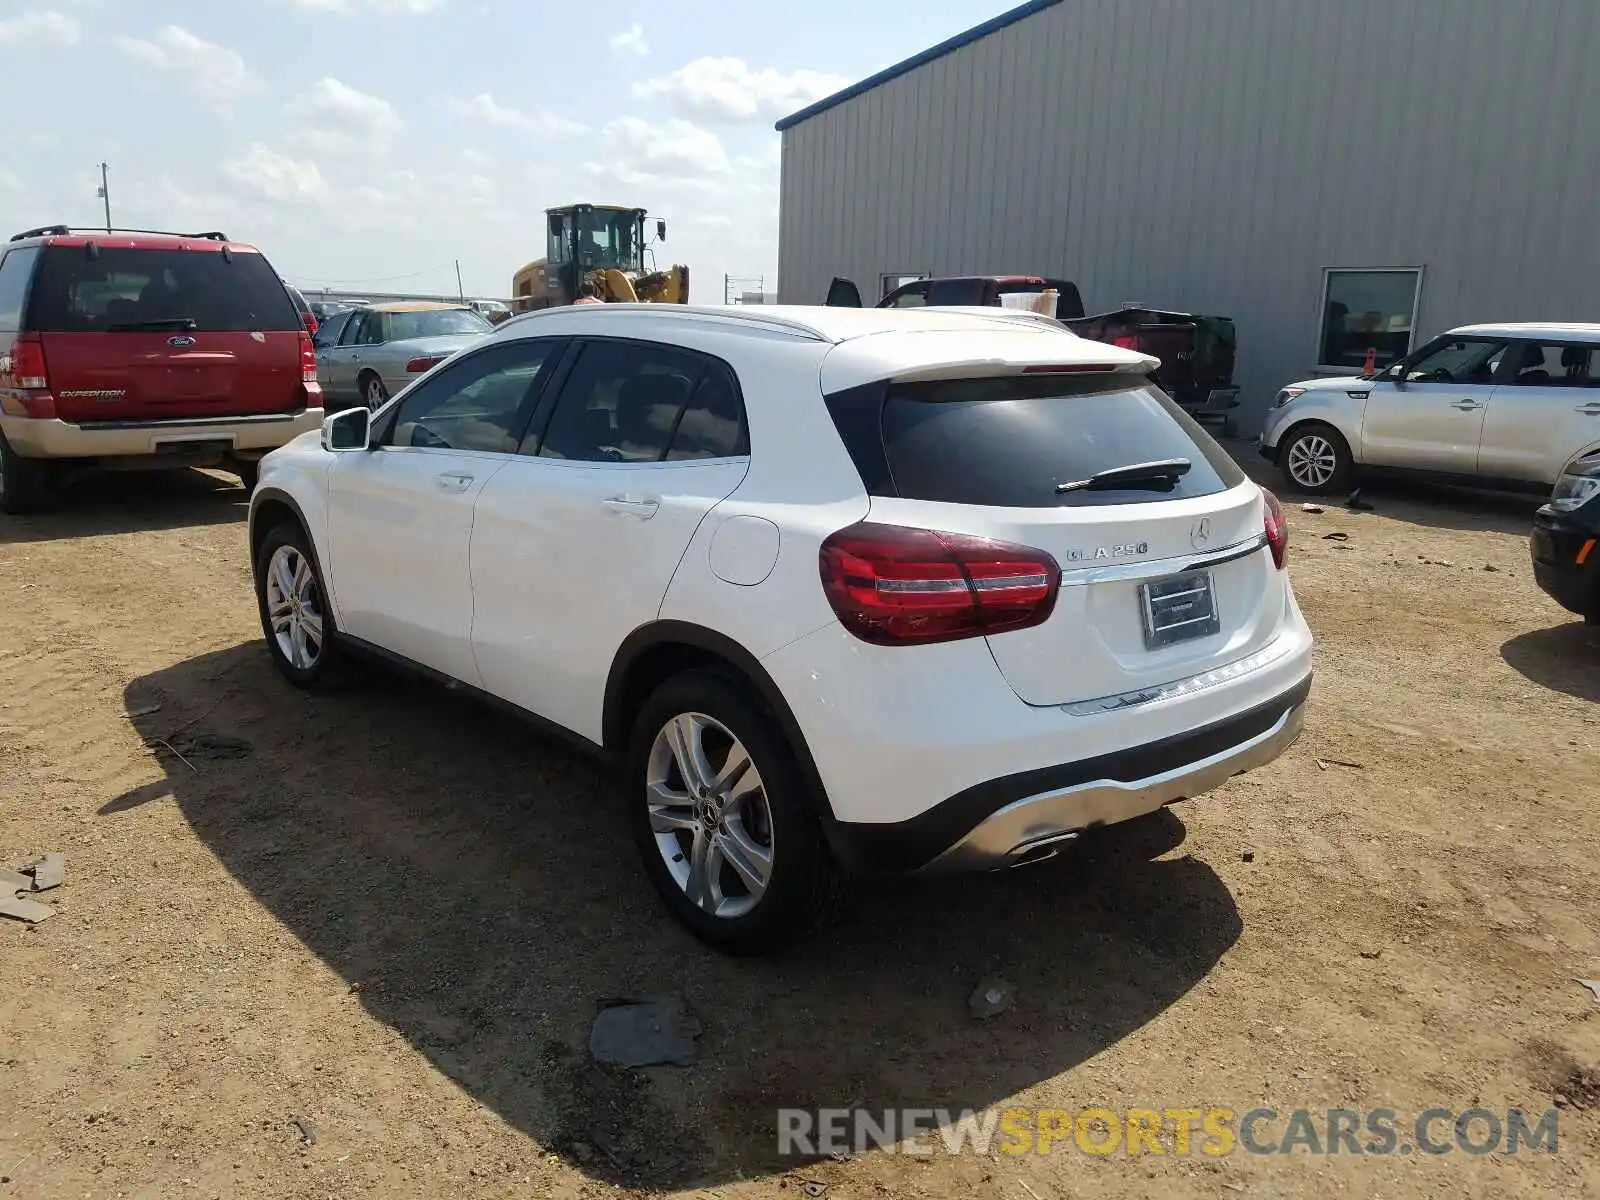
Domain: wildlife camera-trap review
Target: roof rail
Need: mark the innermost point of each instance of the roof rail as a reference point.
(212, 235)
(730, 313)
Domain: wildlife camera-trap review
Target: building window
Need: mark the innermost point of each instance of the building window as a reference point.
(898, 279)
(1367, 314)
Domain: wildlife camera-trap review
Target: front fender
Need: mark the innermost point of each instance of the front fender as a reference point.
(296, 480)
(1343, 409)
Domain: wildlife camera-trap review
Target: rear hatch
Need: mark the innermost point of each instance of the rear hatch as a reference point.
(184, 330)
(989, 456)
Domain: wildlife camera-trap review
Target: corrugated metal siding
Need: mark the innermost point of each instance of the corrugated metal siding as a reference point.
(1216, 155)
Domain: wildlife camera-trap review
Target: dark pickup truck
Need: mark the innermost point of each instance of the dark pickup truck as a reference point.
(1196, 352)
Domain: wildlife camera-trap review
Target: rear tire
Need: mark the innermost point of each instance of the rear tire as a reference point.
(1315, 458)
(373, 393)
(26, 484)
(300, 631)
(704, 838)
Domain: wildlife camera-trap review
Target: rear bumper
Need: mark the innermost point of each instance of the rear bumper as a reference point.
(33, 437)
(949, 770)
(1555, 547)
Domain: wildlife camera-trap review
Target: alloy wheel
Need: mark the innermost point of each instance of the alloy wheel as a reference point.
(294, 608)
(1312, 461)
(710, 815)
(375, 395)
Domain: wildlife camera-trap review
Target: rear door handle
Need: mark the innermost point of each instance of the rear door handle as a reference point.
(643, 509)
(1589, 410)
(1466, 405)
(454, 483)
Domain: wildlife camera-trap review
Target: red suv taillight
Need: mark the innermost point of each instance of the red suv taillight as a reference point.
(309, 320)
(1277, 526)
(426, 363)
(894, 586)
(27, 362)
(308, 359)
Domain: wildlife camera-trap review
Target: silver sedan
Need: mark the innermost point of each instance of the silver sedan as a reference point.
(366, 355)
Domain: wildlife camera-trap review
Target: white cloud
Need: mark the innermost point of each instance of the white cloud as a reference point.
(484, 107)
(347, 7)
(630, 41)
(727, 89)
(215, 72)
(632, 150)
(47, 26)
(339, 118)
(270, 175)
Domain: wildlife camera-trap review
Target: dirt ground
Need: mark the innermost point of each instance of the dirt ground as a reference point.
(352, 945)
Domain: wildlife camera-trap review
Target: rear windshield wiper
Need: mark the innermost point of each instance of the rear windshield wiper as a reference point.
(184, 323)
(1166, 471)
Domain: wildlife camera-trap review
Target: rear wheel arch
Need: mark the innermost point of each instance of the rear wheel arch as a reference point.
(654, 653)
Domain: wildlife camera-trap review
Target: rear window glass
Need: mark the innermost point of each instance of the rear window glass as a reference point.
(123, 290)
(1012, 441)
(433, 323)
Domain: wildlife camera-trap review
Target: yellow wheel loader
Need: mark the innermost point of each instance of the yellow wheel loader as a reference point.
(604, 245)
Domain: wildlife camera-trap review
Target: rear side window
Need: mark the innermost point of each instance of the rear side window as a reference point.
(1011, 442)
(433, 322)
(15, 271)
(712, 426)
(621, 403)
(123, 290)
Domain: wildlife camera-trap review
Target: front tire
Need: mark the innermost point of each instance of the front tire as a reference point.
(1317, 459)
(300, 631)
(26, 484)
(724, 823)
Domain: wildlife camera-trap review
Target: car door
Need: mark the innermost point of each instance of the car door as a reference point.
(341, 358)
(575, 542)
(325, 342)
(843, 293)
(1539, 416)
(1427, 413)
(400, 516)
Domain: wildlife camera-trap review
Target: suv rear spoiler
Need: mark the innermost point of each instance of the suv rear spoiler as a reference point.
(211, 235)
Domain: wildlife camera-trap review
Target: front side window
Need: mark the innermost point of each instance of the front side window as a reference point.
(1367, 315)
(477, 403)
(1456, 360)
(899, 280)
(915, 296)
(621, 404)
(328, 332)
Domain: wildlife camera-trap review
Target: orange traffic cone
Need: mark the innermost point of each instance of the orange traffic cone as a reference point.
(1371, 365)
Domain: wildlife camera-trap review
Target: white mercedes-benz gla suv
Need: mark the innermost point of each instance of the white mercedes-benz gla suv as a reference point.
(840, 590)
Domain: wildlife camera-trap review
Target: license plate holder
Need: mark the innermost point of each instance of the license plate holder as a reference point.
(1178, 609)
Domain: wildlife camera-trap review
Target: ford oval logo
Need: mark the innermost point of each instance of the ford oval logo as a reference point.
(181, 340)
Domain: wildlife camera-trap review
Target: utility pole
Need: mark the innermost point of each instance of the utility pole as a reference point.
(105, 192)
(460, 291)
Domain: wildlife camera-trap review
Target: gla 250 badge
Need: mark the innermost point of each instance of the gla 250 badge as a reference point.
(1095, 554)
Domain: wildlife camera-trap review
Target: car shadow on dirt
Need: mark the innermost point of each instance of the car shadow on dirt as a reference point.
(1563, 658)
(474, 883)
(106, 502)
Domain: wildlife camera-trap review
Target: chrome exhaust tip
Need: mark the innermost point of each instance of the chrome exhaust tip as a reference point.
(1039, 849)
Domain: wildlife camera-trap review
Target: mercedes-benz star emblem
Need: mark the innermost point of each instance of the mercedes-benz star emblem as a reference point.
(1201, 533)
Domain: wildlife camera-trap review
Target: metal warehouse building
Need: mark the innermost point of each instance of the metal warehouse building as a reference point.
(1333, 174)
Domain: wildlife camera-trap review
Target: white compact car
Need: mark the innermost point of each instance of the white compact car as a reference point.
(842, 590)
(1505, 406)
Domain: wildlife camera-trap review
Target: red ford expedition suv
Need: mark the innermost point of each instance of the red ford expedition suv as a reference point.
(140, 349)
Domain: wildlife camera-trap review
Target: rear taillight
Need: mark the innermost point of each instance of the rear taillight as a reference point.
(893, 586)
(27, 362)
(309, 320)
(308, 359)
(1126, 342)
(1277, 527)
(426, 363)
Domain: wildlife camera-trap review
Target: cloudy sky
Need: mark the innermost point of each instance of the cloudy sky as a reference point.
(374, 142)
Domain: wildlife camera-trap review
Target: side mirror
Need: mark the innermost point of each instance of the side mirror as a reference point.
(661, 231)
(1396, 375)
(345, 431)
